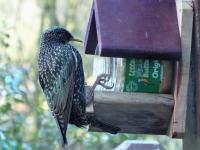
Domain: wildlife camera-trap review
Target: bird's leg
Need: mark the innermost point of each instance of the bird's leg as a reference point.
(101, 80)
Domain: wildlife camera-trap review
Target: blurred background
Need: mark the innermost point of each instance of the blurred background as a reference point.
(25, 122)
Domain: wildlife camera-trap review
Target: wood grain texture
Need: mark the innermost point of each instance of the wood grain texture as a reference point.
(138, 113)
(197, 61)
(181, 99)
(192, 138)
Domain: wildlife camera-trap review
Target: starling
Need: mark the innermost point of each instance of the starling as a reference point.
(61, 77)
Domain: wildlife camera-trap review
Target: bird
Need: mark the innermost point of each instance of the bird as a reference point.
(61, 77)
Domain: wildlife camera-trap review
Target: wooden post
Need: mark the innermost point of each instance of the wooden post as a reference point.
(185, 17)
(197, 60)
(192, 136)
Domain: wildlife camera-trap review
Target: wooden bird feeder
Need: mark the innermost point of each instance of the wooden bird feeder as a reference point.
(145, 30)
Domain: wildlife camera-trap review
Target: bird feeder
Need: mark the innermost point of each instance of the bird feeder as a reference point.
(141, 32)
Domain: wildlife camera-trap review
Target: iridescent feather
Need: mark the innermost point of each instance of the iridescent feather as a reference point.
(56, 76)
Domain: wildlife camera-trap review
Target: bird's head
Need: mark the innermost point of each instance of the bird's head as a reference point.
(58, 34)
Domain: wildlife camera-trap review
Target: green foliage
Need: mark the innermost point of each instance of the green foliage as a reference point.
(25, 122)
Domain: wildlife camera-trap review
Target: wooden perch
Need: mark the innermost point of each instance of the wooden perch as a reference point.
(181, 91)
(134, 112)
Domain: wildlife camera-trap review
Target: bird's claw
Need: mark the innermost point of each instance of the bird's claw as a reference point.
(107, 86)
(102, 80)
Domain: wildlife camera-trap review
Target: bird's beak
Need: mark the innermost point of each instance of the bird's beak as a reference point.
(76, 40)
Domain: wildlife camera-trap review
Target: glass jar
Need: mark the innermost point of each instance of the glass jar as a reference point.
(135, 75)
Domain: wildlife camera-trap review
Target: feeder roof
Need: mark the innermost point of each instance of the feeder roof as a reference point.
(134, 28)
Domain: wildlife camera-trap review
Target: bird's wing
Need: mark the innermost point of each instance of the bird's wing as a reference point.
(61, 67)
(61, 96)
(59, 78)
(61, 104)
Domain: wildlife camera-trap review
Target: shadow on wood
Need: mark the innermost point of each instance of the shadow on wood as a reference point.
(139, 113)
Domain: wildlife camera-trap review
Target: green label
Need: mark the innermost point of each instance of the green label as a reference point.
(142, 75)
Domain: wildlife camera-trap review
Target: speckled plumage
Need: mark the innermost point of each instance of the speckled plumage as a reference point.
(61, 77)
(78, 116)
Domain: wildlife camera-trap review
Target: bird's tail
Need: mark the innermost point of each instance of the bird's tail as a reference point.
(62, 132)
(104, 126)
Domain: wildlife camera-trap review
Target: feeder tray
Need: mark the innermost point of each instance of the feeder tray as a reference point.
(142, 29)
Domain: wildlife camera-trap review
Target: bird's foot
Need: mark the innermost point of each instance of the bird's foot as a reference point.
(101, 80)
